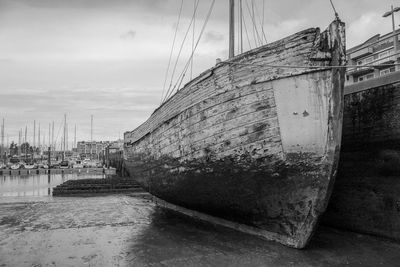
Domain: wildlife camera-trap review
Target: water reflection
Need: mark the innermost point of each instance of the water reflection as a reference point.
(37, 185)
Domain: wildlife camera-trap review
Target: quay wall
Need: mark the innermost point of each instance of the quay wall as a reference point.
(116, 161)
(366, 195)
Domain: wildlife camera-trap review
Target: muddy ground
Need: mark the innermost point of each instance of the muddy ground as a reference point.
(122, 230)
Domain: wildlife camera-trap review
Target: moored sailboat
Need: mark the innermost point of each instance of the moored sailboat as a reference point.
(254, 140)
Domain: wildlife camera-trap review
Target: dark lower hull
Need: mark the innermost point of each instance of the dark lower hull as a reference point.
(283, 198)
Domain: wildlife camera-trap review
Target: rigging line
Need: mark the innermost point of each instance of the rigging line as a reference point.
(261, 21)
(187, 64)
(241, 26)
(256, 16)
(334, 9)
(252, 16)
(193, 33)
(180, 50)
(256, 37)
(311, 67)
(238, 31)
(247, 34)
(197, 43)
(172, 49)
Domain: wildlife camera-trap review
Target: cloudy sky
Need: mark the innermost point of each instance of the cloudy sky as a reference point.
(109, 58)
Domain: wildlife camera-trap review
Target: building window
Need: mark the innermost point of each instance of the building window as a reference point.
(386, 53)
(387, 71)
(365, 77)
(369, 60)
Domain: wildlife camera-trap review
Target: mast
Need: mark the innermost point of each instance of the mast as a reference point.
(49, 135)
(52, 136)
(2, 149)
(26, 141)
(39, 139)
(66, 131)
(65, 123)
(34, 134)
(75, 138)
(231, 28)
(91, 135)
(19, 142)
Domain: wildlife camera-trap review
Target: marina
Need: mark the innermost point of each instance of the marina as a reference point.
(39, 185)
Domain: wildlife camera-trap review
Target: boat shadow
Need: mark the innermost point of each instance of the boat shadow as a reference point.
(175, 239)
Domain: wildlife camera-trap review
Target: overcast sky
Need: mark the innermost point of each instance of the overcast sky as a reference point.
(109, 58)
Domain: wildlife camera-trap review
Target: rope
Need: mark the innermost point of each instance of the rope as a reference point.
(195, 3)
(241, 26)
(172, 49)
(238, 31)
(334, 9)
(255, 31)
(180, 78)
(180, 50)
(310, 67)
(247, 34)
(261, 23)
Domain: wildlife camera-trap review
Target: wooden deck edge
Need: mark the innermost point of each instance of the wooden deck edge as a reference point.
(287, 241)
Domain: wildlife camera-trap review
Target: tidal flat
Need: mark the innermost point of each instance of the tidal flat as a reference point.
(129, 230)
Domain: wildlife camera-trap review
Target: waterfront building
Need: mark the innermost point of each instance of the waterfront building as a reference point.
(380, 51)
(116, 146)
(94, 149)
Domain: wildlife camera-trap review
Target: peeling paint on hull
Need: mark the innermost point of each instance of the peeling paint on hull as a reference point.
(254, 145)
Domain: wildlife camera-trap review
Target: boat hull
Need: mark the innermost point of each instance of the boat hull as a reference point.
(254, 148)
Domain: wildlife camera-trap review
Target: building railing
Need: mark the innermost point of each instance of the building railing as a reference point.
(391, 35)
(391, 57)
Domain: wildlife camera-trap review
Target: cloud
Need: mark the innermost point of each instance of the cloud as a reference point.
(87, 4)
(213, 36)
(372, 21)
(130, 35)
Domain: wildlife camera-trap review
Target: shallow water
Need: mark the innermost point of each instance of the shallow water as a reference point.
(37, 185)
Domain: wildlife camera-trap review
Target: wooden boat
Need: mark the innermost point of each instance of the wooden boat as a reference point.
(254, 140)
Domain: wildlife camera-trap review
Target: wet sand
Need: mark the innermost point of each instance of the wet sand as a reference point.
(122, 230)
